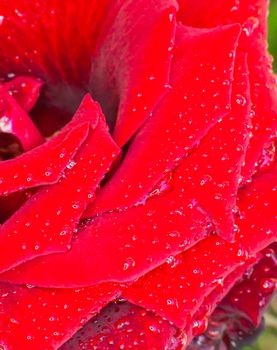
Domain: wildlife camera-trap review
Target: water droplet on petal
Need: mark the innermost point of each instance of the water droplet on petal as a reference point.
(205, 179)
(129, 263)
(268, 285)
(250, 25)
(71, 164)
(240, 100)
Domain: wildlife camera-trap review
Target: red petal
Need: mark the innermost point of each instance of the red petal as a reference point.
(130, 86)
(179, 287)
(256, 224)
(253, 17)
(179, 122)
(210, 174)
(238, 317)
(12, 202)
(42, 165)
(125, 326)
(16, 121)
(125, 245)
(43, 319)
(257, 212)
(36, 38)
(198, 269)
(200, 318)
(262, 284)
(59, 207)
(25, 90)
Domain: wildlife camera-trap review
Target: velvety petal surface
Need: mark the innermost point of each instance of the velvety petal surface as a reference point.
(201, 317)
(253, 17)
(130, 86)
(261, 283)
(15, 120)
(25, 90)
(42, 165)
(36, 40)
(200, 80)
(46, 222)
(126, 326)
(201, 267)
(119, 247)
(43, 319)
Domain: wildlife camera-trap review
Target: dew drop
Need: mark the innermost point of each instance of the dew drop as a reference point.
(240, 100)
(199, 326)
(268, 285)
(5, 124)
(29, 178)
(71, 164)
(48, 172)
(250, 25)
(76, 205)
(129, 263)
(205, 179)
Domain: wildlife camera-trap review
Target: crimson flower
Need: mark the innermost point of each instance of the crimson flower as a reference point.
(137, 174)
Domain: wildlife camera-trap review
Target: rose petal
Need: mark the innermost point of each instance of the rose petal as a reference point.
(52, 157)
(25, 90)
(256, 224)
(46, 222)
(198, 269)
(130, 86)
(179, 287)
(125, 326)
(210, 174)
(237, 320)
(119, 246)
(262, 283)
(36, 39)
(257, 216)
(43, 319)
(31, 31)
(15, 120)
(253, 17)
(44, 164)
(13, 202)
(200, 318)
(179, 122)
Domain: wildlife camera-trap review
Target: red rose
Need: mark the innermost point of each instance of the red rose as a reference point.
(144, 220)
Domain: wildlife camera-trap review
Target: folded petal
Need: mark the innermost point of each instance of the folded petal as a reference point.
(25, 90)
(237, 320)
(178, 288)
(253, 17)
(43, 319)
(130, 86)
(46, 222)
(211, 173)
(255, 222)
(11, 203)
(44, 164)
(36, 40)
(15, 120)
(201, 317)
(199, 97)
(125, 326)
(119, 246)
(262, 282)
(257, 213)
